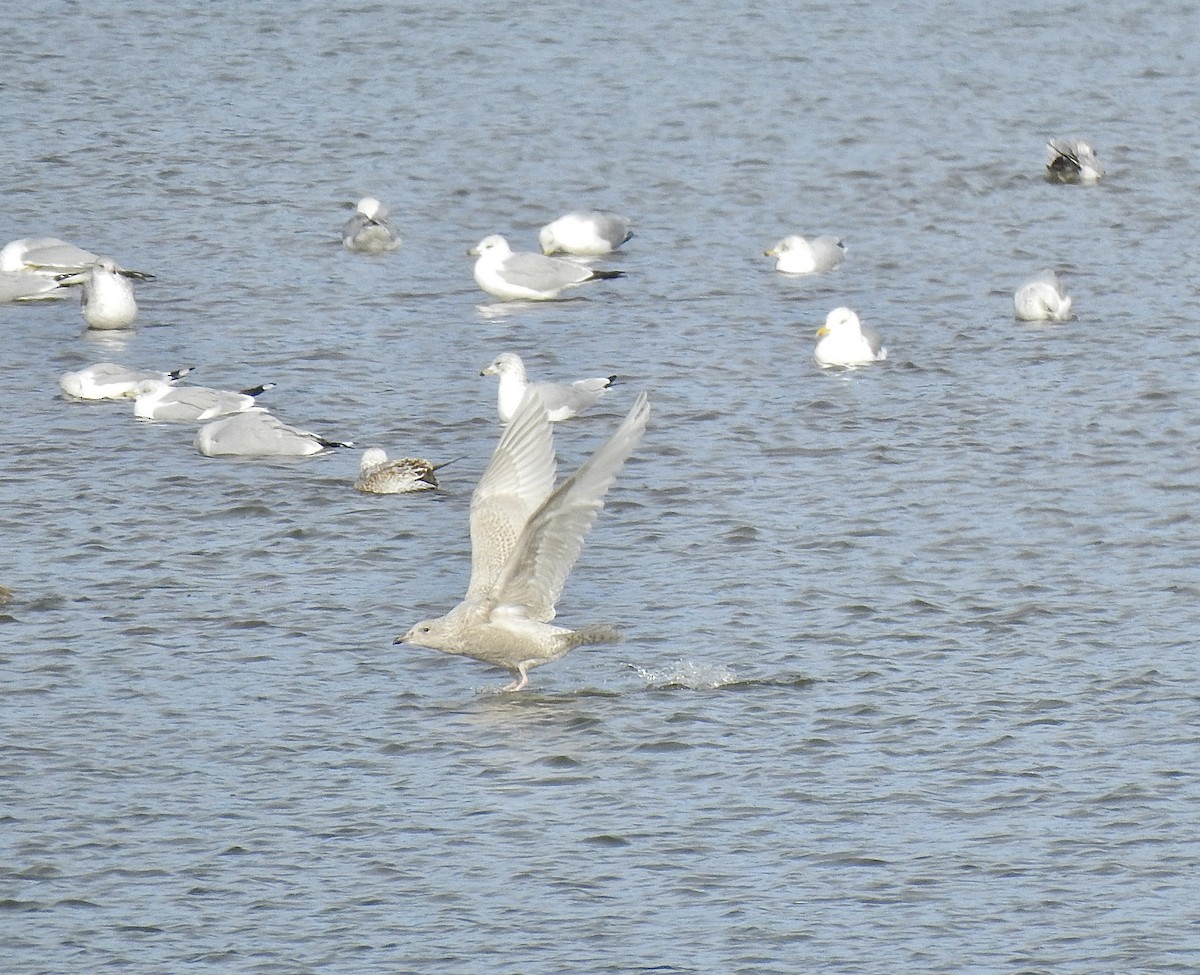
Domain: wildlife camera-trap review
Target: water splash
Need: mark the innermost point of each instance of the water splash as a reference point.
(687, 673)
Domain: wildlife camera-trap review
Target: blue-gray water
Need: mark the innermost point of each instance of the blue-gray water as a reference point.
(910, 678)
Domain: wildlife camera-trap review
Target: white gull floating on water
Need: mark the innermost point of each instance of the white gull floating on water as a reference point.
(802, 255)
(107, 300)
(257, 433)
(378, 475)
(110, 380)
(51, 257)
(24, 287)
(510, 275)
(845, 341)
(589, 233)
(561, 400)
(1042, 298)
(156, 399)
(370, 230)
(525, 538)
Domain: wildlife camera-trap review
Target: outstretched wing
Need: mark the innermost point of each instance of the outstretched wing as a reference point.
(516, 481)
(550, 544)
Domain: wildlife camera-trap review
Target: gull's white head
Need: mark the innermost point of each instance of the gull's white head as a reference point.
(428, 633)
(491, 246)
(372, 457)
(840, 321)
(789, 243)
(371, 208)
(12, 256)
(800, 255)
(506, 364)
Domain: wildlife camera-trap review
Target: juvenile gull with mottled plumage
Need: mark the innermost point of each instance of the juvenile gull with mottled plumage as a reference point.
(525, 538)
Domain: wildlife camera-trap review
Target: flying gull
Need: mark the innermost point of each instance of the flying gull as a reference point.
(526, 535)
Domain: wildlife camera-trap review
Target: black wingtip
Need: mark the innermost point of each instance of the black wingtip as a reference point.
(605, 275)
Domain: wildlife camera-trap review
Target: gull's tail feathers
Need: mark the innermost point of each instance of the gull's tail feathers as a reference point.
(594, 634)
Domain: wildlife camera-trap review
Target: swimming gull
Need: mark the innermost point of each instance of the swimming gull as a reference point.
(24, 286)
(1042, 298)
(525, 275)
(257, 433)
(845, 341)
(107, 300)
(561, 400)
(378, 475)
(157, 399)
(1072, 161)
(370, 230)
(587, 233)
(110, 380)
(525, 538)
(50, 257)
(801, 255)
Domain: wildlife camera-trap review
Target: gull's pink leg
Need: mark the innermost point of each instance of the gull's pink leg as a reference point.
(520, 682)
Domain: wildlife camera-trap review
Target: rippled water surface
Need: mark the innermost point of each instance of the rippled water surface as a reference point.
(910, 677)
